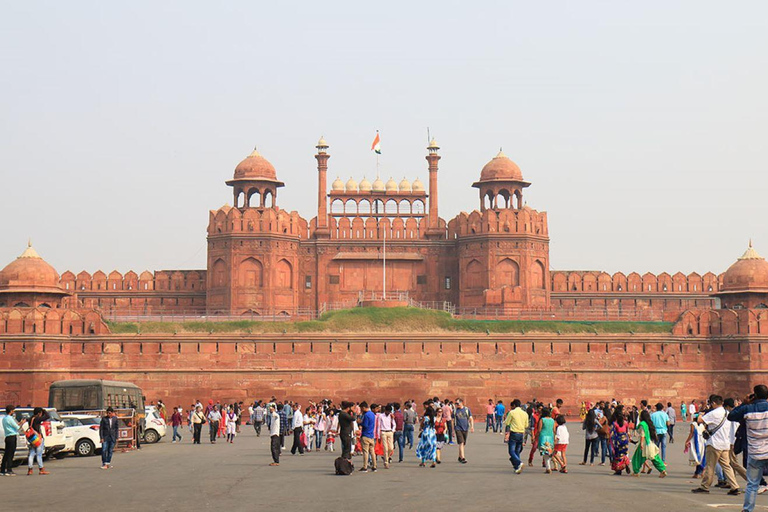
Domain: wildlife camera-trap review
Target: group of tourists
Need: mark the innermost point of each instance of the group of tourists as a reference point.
(721, 429)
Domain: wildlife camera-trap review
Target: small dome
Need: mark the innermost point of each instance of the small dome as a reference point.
(750, 272)
(30, 272)
(501, 168)
(351, 185)
(365, 185)
(391, 185)
(337, 185)
(255, 167)
(405, 185)
(417, 185)
(433, 144)
(321, 143)
(378, 185)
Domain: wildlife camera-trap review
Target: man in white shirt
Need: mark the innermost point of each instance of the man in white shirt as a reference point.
(274, 435)
(718, 447)
(298, 427)
(692, 410)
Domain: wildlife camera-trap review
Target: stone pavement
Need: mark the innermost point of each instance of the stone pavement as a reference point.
(235, 477)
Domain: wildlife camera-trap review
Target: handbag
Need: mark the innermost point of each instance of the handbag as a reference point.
(33, 438)
(707, 434)
(378, 448)
(303, 440)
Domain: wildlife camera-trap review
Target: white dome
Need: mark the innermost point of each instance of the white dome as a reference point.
(391, 185)
(405, 186)
(351, 185)
(337, 185)
(378, 185)
(365, 185)
(417, 185)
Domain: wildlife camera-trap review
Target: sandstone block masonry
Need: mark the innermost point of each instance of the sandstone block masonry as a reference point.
(182, 368)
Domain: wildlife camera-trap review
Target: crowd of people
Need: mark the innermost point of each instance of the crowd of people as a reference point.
(726, 437)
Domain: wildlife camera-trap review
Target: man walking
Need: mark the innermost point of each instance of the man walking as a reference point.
(754, 412)
(346, 422)
(298, 427)
(274, 435)
(11, 430)
(516, 422)
(176, 422)
(661, 422)
(285, 425)
(410, 418)
(367, 440)
(258, 419)
(672, 415)
(108, 432)
(718, 447)
(500, 412)
(490, 413)
(399, 426)
(464, 424)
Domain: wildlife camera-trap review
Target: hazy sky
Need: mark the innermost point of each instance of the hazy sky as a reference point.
(642, 125)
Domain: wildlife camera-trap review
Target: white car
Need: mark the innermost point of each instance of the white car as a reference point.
(53, 429)
(154, 425)
(84, 432)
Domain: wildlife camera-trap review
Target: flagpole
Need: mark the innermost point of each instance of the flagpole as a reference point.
(385, 264)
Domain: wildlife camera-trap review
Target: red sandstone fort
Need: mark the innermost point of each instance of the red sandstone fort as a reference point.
(369, 238)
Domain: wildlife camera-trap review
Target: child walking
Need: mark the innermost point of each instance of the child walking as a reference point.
(562, 437)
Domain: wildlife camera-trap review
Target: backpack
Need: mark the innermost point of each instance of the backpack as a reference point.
(343, 466)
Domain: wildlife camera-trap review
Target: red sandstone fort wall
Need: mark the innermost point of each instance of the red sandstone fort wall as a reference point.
(180, 369)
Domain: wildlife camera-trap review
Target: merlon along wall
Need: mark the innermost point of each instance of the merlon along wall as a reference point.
(180, 369)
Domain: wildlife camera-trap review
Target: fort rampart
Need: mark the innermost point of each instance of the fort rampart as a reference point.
(181, 368)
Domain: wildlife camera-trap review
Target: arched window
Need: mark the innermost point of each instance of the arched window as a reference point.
(254, 198)
(364, 207)
(391, 207)
(378, 207)
(404, 207)
(219, 273)
(337, 206)
(350, 206)
(508, 272)
(418, 207)
(474, 274)
(251, 273)
(537, 275)
(284, 274)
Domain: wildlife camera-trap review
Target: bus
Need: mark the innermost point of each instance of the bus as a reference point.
(95, 395)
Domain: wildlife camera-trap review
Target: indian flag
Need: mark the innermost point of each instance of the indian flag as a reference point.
(376, 146)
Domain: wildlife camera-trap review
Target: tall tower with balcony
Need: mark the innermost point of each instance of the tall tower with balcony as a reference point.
(253, 246)
(503, 248)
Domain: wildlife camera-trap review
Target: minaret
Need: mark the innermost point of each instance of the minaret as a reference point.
(322, 157)
(433, 158)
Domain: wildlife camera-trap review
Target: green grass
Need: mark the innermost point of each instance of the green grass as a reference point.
(392, 320)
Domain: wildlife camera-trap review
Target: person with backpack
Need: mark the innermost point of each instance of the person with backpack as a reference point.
(35, 439)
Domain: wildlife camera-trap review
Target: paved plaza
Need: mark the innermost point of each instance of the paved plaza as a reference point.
(183, 476)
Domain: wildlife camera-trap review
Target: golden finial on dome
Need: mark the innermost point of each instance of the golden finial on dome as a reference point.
(751, 253)
(501, 154)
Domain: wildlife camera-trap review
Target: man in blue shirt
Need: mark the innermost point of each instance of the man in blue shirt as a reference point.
(500, 410)
(11, 431)
(661, 423)
(367, 441)
(754, 413)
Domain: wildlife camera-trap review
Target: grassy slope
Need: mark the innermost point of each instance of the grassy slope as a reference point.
(393, 320)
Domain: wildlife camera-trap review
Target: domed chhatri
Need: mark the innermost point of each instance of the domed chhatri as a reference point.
(378, 185)
(30, 281)
(337, 185)
(351, 186)
(255, 167)
(391, 185)
(501, 184)
(501, 168)
(745, 283)
(365, 185)
(405, 186)
(417, 185)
